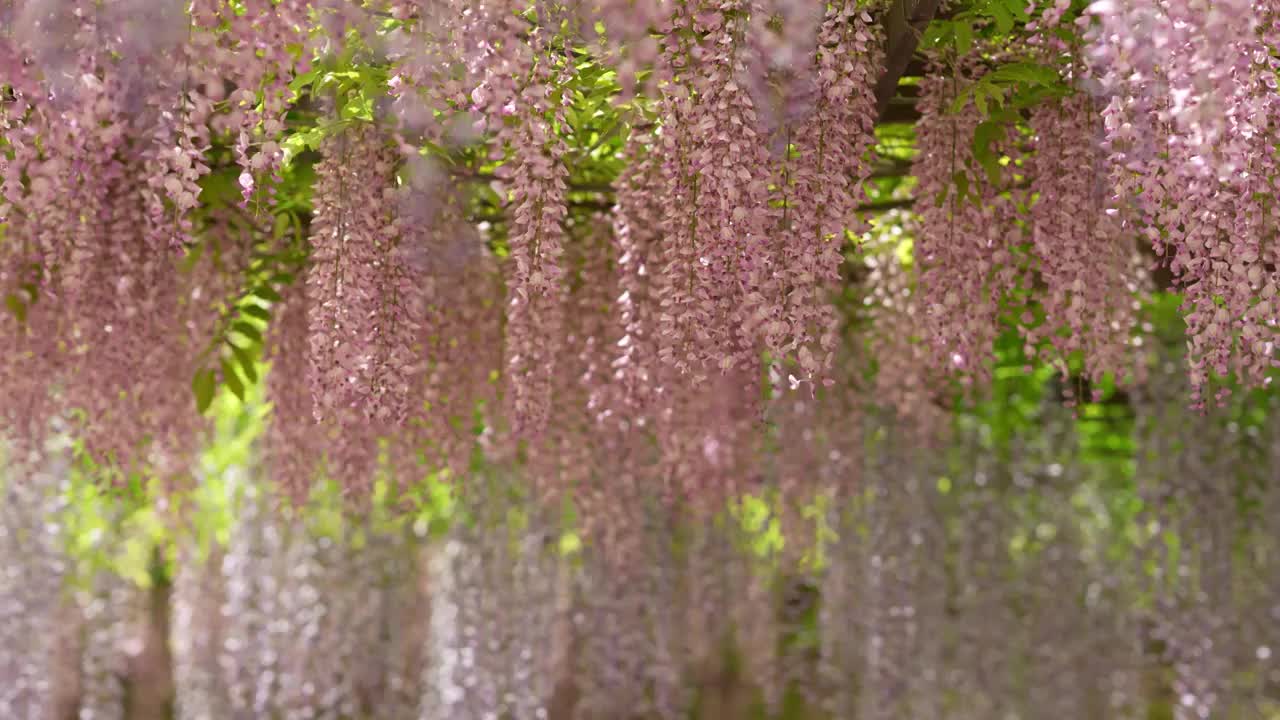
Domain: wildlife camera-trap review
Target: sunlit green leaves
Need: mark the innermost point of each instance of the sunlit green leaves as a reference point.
(1019, 85)
(759, 524)
(246, 362)
(268, 293)
(203, 385)
(353, 87)
(16, 306)
(990, 20)
(1004, 12)
(248, 330)
(20, 301)
(257, 312)
(984, 135)
(234, 355)
(963, 34)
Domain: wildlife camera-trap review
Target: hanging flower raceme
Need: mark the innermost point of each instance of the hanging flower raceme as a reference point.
(1088, 263)
(29, 326)
(76, 51)
(734, 267)
(121, 304)
(967, 238)
(715, 266)
(58, 178)
(580, 439)
(625, 44)
(1221, 182)
(1183, 120)
(637, 219)
(897, 334)
(684, 316)
(783, 39)
(460, 337)
(1180, 56)
(265, 44)
(292, 445)
(92, 206)
(364, 313)
(708, 435)
(168, 114)
(537, 209)
(822, 185)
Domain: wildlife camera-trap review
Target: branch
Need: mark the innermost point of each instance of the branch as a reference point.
(886, 205)
(887, 167)
(904, 24)
(884, 167)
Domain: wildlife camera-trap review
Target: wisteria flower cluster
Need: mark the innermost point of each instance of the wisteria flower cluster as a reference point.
(608, 240)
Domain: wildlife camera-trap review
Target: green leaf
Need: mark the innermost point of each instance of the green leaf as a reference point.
(1025, 72)
(203, 385)
(1026, 97)
(980, 97)
(1018, 8)
(247, 330)
(303, 80)
(941, 196)
(937, 33)
(281, 226)
(996, 94)
(246, 363)
(232, 380)
(16, 306)
(256, 311)
(266, 292)
(961, 181)
(964, 37)
(358, 107)
(983, 136)
(1002, 16)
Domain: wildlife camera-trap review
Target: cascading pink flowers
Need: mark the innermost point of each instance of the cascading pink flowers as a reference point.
(90, 255)
(729, 165)
(824, 185)
(259, 58)
(965, 247)
(364, 313)
(538, 209)
(1187, 122)
(898, 335)
(1089, 265)
(291, 446)
(461, 336)
(721, 247)
(636, 219)
(683, 319)
(749, 261)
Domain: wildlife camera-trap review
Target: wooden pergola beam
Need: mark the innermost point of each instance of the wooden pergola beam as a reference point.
(904, 24)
